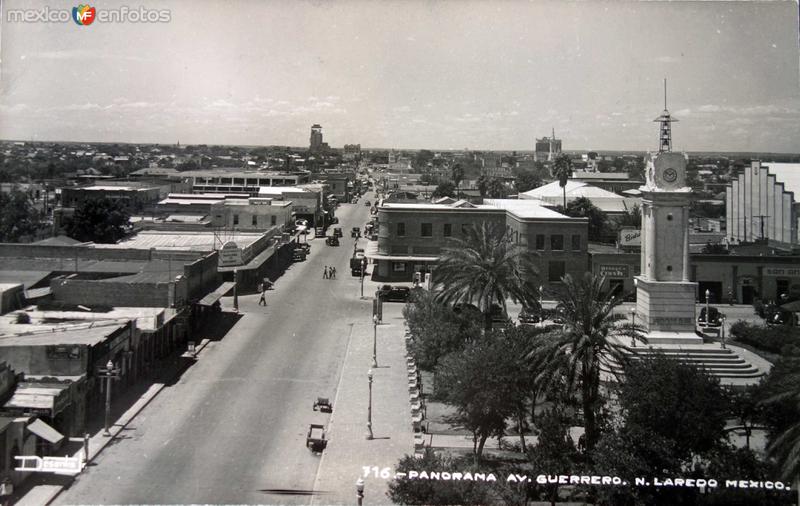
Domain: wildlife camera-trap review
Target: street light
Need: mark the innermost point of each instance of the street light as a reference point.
(7, 490)
(360, 491)
(723, 331)
(374, 340)
(708, 295)
(633, 327)
(369, 406)
(363, 273)
(109, 373)
(541, 307)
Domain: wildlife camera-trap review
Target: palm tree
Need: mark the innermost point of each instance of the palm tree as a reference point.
(590, 343)
(785, 448)
(486, 267)
(562, 169)
(458, 176)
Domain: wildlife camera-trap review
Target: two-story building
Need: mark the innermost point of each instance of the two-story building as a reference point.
(411, 236)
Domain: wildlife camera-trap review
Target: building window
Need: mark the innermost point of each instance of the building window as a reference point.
(238, 181)
(556, 271)
(235, 219)
(401, 230)
(273, 220)
(557, 242)
(426, 230)
(576, 242)
(540, 242)
(448, 230)
(255, 220)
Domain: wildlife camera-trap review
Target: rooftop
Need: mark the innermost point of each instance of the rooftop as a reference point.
(192, 241)
(524, 208)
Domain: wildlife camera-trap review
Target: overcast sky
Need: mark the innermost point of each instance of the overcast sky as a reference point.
(410, 74)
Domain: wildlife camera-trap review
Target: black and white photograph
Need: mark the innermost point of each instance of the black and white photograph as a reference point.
(400, 252)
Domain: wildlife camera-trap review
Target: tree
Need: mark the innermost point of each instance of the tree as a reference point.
(587, 344)
(437, 330)
(676, 401)
(526, 180)
(583, 208)
(484, 266)
(782, 405)
(636, 170)
(19, 220)
(555, 451)
(631, 217)
(416, 491)
(99, 220)
(562, 169)
(458, 176)
(475, 382)
(491, 187)
(445, 189)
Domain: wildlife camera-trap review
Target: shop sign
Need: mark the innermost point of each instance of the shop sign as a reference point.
(614, 271)
(630, 237)
(788, 272)
(230, 254)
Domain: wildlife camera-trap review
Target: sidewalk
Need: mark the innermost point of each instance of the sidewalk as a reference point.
(348, 451)
(40, 494)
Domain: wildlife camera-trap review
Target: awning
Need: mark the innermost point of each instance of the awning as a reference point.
(213, 297)
(45, 432)
(50, 398)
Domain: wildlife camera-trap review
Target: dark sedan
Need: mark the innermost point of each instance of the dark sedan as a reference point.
(389, 293)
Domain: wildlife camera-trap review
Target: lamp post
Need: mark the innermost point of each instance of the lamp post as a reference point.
(633, 327)
(109, 373)
(708, 295)
(723, 331)
(374, 340)
(363, 274)
(369, 406)
(7, 490)
(360, 491)
(541, 307)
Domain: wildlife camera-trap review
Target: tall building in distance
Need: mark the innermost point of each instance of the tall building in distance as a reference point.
(316, 146)
(547, 148)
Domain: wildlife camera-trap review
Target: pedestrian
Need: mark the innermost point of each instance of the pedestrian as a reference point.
(333, 272)
(263, 295)
(325, 273)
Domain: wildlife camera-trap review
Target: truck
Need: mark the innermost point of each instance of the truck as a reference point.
(358, 263)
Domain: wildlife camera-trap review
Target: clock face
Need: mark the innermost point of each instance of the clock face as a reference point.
(670, 175)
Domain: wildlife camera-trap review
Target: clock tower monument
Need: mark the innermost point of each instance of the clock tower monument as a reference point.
(665, 298)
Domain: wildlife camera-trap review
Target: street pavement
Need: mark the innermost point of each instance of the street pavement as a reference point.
(232, 428)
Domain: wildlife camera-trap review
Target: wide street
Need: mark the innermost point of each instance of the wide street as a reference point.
(233, 428)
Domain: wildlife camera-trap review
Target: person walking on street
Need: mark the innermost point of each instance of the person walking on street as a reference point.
(263, 298)
(333, 272)
(325, 273)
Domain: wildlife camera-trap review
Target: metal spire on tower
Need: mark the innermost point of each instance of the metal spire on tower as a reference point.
(665, 135)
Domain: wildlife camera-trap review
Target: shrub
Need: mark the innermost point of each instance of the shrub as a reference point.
(23, 318)
(771, 339)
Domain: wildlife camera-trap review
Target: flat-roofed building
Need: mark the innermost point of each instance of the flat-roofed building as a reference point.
(238, 181)
(411, 236)
(253, 214)
(135, 196)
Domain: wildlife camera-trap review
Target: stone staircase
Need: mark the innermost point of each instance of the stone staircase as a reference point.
(724, 363)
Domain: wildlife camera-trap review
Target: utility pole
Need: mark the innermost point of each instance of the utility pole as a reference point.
(108, 374)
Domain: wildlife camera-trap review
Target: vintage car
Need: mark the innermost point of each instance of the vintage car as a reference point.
(389, 293)
(332, 241)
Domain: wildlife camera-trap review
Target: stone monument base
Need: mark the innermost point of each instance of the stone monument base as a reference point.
(660, 337)
(665, 306)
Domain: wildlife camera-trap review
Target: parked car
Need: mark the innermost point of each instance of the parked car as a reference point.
(714, 317)
(529, 316)
(389, 293)
(332, 241)
(337, 232)
(319, 232)
(355, 232)
(299, 255)
(366, 203)
(498, 314)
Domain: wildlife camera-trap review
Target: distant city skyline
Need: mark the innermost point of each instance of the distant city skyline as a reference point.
(411, 75)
